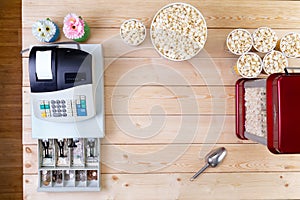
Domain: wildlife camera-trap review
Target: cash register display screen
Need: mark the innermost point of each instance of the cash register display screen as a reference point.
(74, 77)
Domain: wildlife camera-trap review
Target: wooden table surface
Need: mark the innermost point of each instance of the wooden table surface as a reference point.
(163, 116)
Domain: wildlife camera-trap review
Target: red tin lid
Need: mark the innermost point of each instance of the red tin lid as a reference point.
(283, 110)
(240, 109)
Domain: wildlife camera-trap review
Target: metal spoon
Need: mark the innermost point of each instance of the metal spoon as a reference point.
(213, 158)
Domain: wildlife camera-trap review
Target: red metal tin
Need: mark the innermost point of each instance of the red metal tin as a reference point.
(283, 112)
(240, 109)
(283, 109)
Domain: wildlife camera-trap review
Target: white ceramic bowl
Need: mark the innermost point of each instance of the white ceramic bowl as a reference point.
(290, 47)
(264, 47)
(283, 63)
(244, 68)
(133, 32)
(245, 49)
(171, 43)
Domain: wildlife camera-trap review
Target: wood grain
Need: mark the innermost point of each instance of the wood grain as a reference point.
(177, 186)
(162, 116)
(149, 130)
(158, 71)
(10, 101)
(161, 100)
(114, 47)
(221, 14)
(180, 158)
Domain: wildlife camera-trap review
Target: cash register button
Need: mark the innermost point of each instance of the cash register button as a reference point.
(78, 106)
(57, 114)
(47, 106)
(44, 114)
(57, 101)
(63, 106)
(52, 102)
(64, 114)
(58, 106)
(81, 112)
(82, 102)
(42, 107)
(53, 106)
(63, 101)
(64, 110)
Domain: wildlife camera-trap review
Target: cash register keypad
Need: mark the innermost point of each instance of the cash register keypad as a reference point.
(64, 107)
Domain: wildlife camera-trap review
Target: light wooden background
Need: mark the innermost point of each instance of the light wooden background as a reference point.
(137, 80)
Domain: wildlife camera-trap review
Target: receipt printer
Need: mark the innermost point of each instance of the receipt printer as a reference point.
(66, 91)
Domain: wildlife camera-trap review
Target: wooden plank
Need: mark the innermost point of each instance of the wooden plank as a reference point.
(10, 152)
(12, 195)
(9, 68)
(10, 17)
(10, 53)
(150, 129)
(162, 100)
(11, 179)
(114, 47)
(10, 101)
(26, 131)
(11, 128)
(178, 186)
(10, 107)
(7, 40)
(225, 14)
(158, 71)
(180, 158)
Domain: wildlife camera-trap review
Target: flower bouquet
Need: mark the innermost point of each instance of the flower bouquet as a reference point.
(45, 30)
(76, 28)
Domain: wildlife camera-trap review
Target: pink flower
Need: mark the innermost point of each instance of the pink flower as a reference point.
(73, 26)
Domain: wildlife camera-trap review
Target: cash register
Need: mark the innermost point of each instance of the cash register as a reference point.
(67, 109)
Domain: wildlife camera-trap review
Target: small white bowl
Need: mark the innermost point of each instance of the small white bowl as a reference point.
(133, 32)
(271, 46)
(250, 67)
(295, 46)
(165, 42)
(281, 68)
(236, 52)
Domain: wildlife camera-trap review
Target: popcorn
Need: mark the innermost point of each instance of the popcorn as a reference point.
(256, 116)
(290, 45)
(264, 39)
(178, 31)
(274, 62)
(239, 41)
(133, 32)
(249, 65)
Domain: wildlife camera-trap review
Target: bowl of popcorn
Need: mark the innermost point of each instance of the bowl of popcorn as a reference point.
(178, 31)
(264, 39)
(249, 65)
(274, 62)
(239, 41)
(290, 45)
(133, 32)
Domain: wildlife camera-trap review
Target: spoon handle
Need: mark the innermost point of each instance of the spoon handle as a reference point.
(199, 172)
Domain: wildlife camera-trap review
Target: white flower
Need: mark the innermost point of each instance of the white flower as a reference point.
(44, 30)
